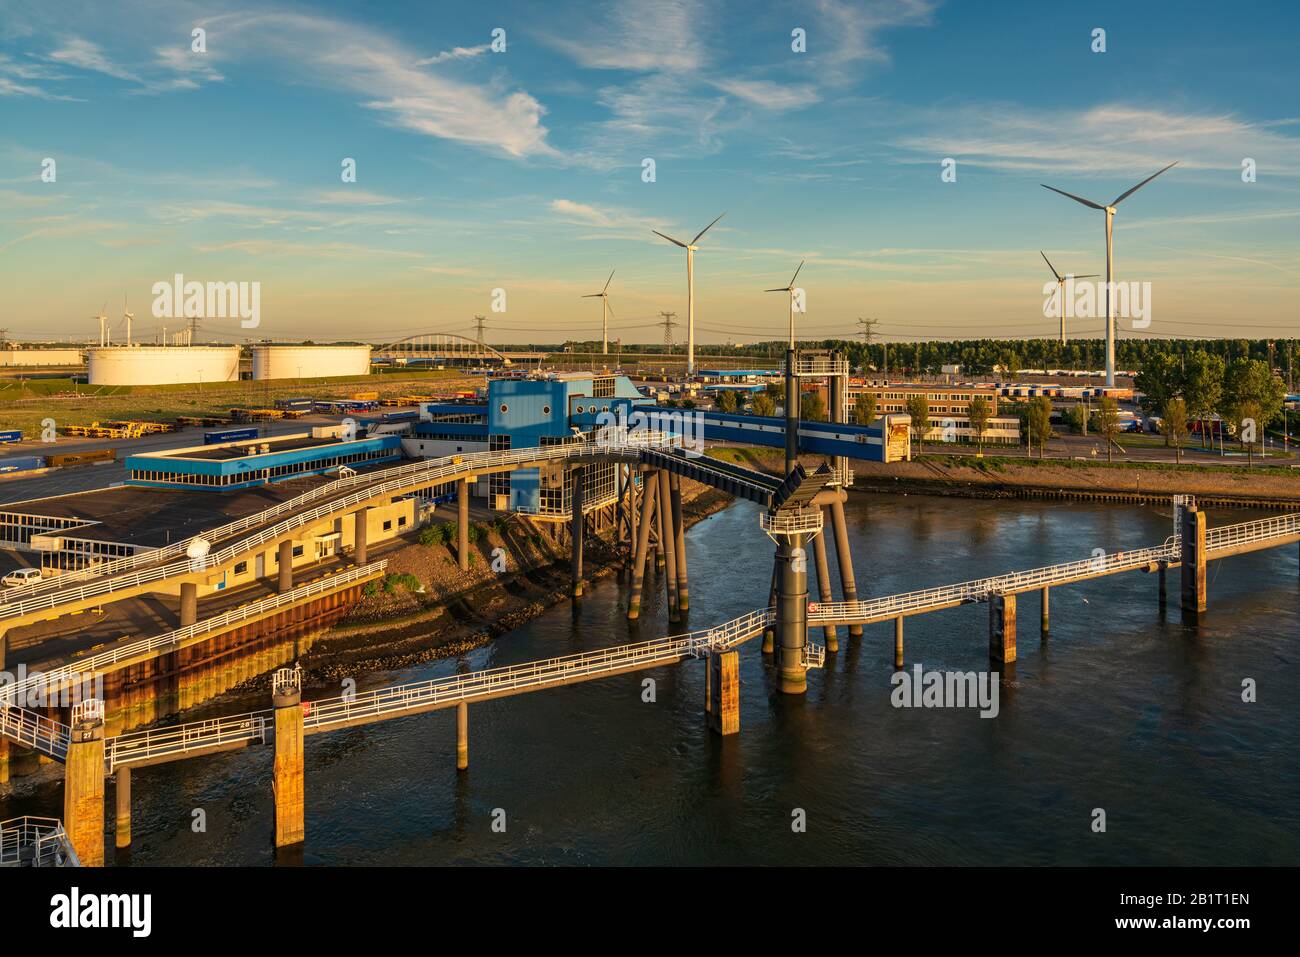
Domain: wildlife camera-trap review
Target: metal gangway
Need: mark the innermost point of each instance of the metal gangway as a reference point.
(35, 842)
(414, 475)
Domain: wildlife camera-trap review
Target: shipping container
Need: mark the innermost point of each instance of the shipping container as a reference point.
(89, 457)
(229, 435)
(21, 463)
(365, 396)
(300, 403)
(13, 435)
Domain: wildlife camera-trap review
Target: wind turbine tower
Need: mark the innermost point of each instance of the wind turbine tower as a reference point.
(1060, 288)
(1110, 259)
(605, 313)
(690, 289)
(789, 288)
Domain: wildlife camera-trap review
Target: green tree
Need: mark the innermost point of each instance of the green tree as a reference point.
(726, 401)
(1077, 419)
(812, 408)
(1252, 398)
(764, 404)
(864, 408)
(1039, 415)
(1203, 385)
(980, 412)
(918, 407)
(1159, 380)
(1173, 423)
(1108, 424)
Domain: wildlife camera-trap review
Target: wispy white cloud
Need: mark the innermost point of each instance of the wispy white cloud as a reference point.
(85, 55)
(770, 95)
(1112, 138)
(455, 53)
(651, 36)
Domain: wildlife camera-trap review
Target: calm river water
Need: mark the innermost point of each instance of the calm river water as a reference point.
(1119, 710)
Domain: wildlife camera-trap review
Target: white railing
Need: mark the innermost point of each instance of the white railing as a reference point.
(820, 365)
(792, 521)
(814, 655)
(430, 474)
(332, 713)
(143, 746)
(35, 731)
(445, 466)
(980, 589)
(74, 673)
(1261, 530)
(36, 842)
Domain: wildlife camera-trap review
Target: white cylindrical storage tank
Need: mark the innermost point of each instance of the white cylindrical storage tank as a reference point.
(162, 365)
(309, 362)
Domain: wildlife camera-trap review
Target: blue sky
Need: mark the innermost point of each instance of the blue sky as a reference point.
(522, 169)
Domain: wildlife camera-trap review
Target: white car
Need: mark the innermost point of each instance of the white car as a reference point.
(21, 576)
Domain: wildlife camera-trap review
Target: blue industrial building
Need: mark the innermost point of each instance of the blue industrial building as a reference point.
(237, 465)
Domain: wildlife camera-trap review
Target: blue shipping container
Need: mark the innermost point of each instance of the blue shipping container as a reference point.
(229, 435)
(22, 463)
(13, 435)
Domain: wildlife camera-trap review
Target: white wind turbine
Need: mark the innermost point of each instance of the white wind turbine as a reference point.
(690, 289)
(103, 324)
(129, 316)
(790, 289)
(1060, 288)
(1110, 259)
(605, 313)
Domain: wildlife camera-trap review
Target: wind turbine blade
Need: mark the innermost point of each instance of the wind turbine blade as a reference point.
(1049, 265)
(592, 295)
(1077, 199)
(1124, 196)
(705, 230)
(608, 281)
(610, 308)
(1091, 275)
(782, 289)
(675, 242)
(796, 272)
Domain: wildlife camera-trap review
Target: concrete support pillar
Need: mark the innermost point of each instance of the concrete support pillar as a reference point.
(898, 642)
(642, 547)
(1002, 627)
(1045, 622)
(462, 524)
(848, 584)
(1164, 568)
(769, 633)
(792, 613)
(83, 791)
(632, 506)
(360, 534)
(285, 582)
(670, 544)
(287, 784)
(830, 632)
(679, 540)
(462, 736)
(189, 603)
(722, 702)
(791, 412)
(122, 802)
(577, 529)
(1193, 561)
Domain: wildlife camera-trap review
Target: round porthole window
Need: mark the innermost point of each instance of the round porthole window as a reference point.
(504, 408)
(579, 410)
(546, 410)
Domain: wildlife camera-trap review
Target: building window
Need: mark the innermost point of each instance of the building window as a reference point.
(546, 410)
(241, 567)
(297, 551)
(388, 526)
(401, 520)
(504, 408)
